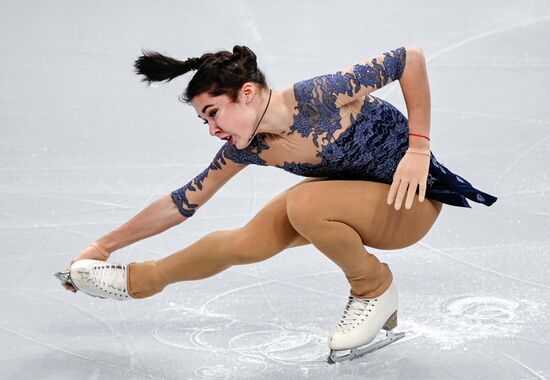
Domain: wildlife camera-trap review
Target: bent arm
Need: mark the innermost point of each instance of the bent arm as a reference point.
(416, 91)
(355, 82)
(370, 75)
(406, 64)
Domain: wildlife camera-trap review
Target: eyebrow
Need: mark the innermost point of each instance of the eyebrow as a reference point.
(205, 107)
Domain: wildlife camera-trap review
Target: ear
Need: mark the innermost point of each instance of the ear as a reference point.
(248, 91)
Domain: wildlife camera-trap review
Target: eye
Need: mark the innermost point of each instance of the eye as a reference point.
(212, 114)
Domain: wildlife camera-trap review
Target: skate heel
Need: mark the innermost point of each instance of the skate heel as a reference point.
(391, 323)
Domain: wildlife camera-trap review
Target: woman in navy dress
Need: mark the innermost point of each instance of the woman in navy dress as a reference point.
(363, 160)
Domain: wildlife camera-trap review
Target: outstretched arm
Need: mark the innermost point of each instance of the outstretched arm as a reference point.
(169, 210)
(157, 217)
(152, 220)
(176, 207)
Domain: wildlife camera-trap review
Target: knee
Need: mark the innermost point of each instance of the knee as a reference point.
(300, 207)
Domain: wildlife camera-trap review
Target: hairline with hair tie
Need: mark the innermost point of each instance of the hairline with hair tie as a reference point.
(193, 62)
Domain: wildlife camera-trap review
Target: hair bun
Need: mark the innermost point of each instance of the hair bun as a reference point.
(245, 57)
(243, 51)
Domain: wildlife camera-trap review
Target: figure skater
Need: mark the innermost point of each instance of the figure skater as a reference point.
(363, 159)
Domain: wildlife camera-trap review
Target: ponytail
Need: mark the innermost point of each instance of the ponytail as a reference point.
(156, 67)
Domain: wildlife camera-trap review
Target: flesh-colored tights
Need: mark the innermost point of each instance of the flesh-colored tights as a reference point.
(339, 217)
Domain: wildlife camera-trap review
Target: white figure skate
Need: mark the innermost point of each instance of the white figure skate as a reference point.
(97, 278)
(361, 322)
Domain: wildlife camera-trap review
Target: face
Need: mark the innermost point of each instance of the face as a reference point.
(226, 119)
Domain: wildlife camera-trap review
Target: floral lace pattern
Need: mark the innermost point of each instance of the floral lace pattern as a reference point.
(369, 149)
(249, 155)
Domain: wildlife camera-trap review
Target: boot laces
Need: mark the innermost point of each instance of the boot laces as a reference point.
(354, 312)
(110, 275)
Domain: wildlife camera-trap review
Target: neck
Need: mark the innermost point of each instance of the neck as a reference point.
(278, 118)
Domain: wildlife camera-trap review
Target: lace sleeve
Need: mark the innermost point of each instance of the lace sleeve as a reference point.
(345, 86)
(227, 162)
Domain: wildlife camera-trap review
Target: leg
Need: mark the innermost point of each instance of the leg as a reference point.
(265, 235)
(340, 217)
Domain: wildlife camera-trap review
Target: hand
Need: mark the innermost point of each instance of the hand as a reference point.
(94, 252)
(411, 172)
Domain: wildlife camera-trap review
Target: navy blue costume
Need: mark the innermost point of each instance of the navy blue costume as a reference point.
(370, 148)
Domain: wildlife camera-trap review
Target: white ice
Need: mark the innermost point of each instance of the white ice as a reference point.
(84, 146)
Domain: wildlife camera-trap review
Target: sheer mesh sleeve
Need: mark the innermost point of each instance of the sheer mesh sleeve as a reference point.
(345, 86)
(227, 162)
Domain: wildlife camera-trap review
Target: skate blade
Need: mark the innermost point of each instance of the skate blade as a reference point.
(64, 277)
(354, 353)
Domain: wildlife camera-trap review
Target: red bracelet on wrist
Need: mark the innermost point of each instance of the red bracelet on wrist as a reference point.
(414, 134)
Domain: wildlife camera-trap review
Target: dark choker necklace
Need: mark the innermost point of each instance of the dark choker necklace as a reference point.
(251, 137)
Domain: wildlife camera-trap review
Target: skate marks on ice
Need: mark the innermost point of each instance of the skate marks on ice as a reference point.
(525, 25)
(452, 323)
(256, 343)
(48, 301)
(58, 348)
(131, 349)
(485, 310)
(469, 318)
(523, 365)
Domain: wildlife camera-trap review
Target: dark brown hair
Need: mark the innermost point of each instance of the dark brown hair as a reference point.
(217, 73)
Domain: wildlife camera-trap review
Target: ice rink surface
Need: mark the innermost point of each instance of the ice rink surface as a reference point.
(84, 146)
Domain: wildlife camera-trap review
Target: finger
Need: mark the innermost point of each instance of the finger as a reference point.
(422, 191)
(69, 287)
(393, 189)
(401, 193)
(410, 195)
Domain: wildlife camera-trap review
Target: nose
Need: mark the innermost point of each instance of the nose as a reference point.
(213, 129)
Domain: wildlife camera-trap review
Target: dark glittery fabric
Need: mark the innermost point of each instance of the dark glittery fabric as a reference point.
(369, 149)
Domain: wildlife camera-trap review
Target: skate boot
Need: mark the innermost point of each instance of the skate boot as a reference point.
(361, 322)
(98, 279)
